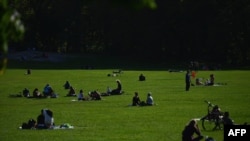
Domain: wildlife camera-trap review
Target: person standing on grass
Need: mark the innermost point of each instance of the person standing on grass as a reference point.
(28, 72)
(187, 80)
(190, 130)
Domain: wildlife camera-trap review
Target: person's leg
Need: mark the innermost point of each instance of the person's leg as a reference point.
(187, 86)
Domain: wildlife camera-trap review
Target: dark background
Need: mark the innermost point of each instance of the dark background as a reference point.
(214, 31)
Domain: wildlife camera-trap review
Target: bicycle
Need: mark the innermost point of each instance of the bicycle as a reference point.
(212, 121)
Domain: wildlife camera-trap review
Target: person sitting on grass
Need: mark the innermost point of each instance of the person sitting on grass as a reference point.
(36, 93)
(136, 100)
(40, 121)
(227, 120)
(198, 81)
(66, 85)
(150, 100)
(48, 118)
(71, 91)
(142, 77)
(188, 134)
(210, 82)
(45, 119)
(47, 91)
(26, 92)
(95, 95)
(118, 90)
(81, 95)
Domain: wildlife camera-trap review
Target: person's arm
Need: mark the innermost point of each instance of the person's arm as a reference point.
(197, 130)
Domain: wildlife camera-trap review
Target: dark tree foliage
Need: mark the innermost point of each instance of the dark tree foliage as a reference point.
(178, 30)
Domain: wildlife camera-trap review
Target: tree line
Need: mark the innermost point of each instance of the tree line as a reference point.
(206, 30)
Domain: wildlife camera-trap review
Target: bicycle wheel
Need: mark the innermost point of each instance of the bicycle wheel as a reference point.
(208, 124)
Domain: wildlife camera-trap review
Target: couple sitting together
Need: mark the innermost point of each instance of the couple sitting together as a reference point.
(137, 102)
(44, 120)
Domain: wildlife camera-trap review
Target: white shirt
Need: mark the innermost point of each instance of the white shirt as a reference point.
(48, 120)
(150, 100)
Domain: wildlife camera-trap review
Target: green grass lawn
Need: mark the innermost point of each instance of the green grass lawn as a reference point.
(111, 119)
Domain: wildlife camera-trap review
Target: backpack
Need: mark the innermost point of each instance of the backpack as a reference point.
(30, 124)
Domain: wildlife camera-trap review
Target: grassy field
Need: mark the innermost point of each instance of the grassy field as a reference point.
(112, 119)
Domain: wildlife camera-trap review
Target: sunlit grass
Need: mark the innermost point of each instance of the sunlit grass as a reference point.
(112, 118)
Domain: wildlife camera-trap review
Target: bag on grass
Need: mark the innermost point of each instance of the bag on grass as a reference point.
(30, 124)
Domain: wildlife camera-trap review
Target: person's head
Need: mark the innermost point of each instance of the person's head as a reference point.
(226, 114)
(81, 91)
(149, 93)
(42, 111)
(136, 93)
(216, 107)
(118, 81)
(192, 123)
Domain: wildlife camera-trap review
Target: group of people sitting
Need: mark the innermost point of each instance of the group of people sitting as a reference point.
(44, 120)
(137, 102)
(191, 131)
(96, 95)
(93, 95)
(208, 82)
(47, 91)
